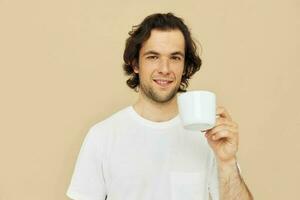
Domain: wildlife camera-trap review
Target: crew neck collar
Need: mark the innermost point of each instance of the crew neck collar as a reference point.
(158, 125)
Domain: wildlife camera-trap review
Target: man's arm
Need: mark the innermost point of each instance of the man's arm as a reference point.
(223, 138)
(232, 185)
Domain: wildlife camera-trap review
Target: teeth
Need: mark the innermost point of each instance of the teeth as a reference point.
(163, 82)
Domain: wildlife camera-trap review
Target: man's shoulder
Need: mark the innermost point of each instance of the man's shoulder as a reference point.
(113, 120)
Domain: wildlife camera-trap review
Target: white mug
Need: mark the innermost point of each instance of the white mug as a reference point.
(197, 109)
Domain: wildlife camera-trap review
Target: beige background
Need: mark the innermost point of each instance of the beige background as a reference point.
(61, 73)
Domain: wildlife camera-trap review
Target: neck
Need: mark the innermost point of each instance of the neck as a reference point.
(157, 112)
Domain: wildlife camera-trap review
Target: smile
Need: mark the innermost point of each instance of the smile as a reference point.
(163, 83)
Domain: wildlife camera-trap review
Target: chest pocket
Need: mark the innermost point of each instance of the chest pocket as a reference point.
(188, 186)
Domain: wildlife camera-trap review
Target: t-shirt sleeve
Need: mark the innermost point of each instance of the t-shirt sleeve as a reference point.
(87, 181)
(213, 181)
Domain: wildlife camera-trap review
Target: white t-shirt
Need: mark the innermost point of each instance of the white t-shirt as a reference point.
(127, 157)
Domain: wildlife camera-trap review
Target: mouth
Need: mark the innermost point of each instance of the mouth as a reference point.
(163, 83)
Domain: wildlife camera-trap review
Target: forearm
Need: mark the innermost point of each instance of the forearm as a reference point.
(232, 186)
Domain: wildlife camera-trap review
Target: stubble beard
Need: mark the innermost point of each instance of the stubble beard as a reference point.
(154, 96)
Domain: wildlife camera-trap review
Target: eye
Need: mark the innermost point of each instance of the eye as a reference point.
(176, 58)
(152, 57)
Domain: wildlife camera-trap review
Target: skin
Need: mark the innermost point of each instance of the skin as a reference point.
(166, 62)
(162, 57)
(223, 138)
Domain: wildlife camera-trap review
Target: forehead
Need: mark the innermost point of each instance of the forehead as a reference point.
(164, 41)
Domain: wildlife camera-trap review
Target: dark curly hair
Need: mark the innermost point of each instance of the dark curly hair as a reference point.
(140, 33)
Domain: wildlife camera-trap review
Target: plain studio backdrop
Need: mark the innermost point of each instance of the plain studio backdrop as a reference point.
(61, 72)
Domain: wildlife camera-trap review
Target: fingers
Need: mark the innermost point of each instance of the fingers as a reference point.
(221, 127)
(221, 134)
(220, 121)
(222, 112)
(222, 131)
(224, 127)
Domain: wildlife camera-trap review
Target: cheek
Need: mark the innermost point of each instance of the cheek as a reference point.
(179, 72)
(145, 73)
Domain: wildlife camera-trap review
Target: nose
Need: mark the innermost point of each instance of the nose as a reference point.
(164, 66)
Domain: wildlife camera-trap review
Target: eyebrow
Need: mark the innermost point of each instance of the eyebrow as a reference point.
(156, 53)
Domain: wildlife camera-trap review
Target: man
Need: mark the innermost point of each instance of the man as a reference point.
(143, 152)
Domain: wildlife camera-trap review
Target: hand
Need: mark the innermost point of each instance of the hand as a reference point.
(224, 137)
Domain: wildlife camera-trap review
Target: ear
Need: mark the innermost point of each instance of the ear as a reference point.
(184, 72)
(135, 67)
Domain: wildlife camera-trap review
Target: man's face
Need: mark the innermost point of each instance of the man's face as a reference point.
(161, 64)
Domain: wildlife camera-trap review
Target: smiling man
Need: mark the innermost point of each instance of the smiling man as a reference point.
(160, 67)
(162, 61)
(142, 152)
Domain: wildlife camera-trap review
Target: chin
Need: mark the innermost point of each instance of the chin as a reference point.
(165, 98)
